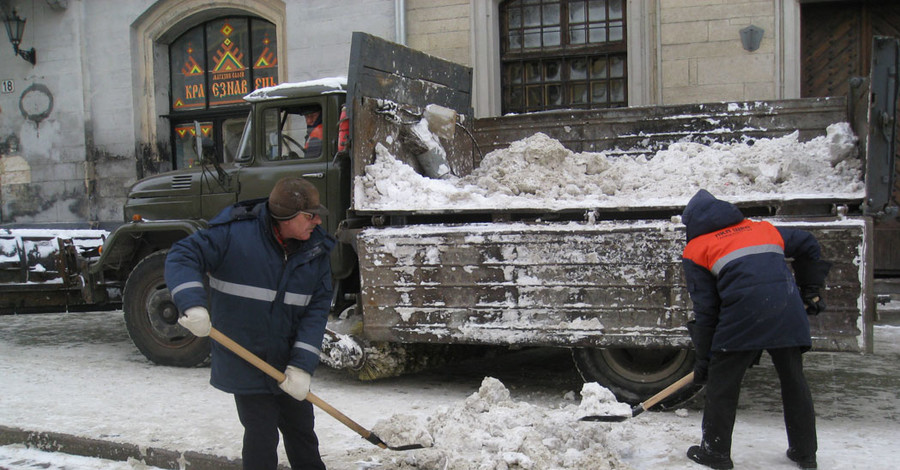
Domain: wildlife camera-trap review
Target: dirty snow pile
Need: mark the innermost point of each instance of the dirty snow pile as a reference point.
(490, 430)
(539, 172)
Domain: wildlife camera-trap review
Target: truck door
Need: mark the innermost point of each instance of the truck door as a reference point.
(292, 141)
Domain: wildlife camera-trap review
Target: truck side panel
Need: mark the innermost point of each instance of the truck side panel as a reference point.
(382, 75)
(652, 128)
(610, 284)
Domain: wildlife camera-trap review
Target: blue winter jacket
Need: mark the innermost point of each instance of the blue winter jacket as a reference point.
(273, 303)
(738, 279)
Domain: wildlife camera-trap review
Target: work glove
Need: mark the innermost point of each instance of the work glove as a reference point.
(701, 371)
(296, 382)
(812, 300)
(196, 320)
(702, 338)
(810, 275)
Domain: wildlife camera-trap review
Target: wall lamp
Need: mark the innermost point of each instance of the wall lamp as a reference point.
(15, 27)
(751, 37)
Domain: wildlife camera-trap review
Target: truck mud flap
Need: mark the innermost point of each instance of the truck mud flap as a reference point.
(609, 284)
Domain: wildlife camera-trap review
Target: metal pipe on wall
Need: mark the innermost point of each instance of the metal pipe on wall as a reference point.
(400, 21)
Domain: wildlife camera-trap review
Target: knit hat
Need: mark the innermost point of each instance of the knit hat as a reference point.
(293, 195)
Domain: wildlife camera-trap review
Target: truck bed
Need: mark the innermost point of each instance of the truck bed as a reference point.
(603, 284)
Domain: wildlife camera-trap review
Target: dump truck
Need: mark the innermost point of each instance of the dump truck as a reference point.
(411, 281)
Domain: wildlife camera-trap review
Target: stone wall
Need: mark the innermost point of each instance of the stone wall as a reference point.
(441, 28)
(701, 55)
(66, 143)
(73, 130)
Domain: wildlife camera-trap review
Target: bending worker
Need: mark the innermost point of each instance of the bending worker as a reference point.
(745, 301)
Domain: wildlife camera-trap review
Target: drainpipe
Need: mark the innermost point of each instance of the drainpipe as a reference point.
(400, 21)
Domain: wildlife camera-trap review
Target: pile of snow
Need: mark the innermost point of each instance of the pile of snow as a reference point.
(538, 172)
(597, 400)
(490, 430)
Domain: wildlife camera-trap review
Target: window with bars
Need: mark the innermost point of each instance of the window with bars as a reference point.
(559, 54)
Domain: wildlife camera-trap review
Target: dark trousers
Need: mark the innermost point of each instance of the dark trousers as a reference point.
(726, 370)
(263, 416)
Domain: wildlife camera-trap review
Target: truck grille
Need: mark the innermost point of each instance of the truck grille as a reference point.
(182, 181)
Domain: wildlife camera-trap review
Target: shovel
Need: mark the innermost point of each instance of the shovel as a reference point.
(279, 377)
(646, 404)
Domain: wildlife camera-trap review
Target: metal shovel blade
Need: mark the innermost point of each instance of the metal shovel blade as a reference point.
(606, 419)
(374, 439)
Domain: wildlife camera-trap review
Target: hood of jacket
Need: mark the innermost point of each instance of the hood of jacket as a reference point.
(704, 214)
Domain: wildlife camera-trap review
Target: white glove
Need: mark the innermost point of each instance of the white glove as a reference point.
(196, 320)
(296, 382)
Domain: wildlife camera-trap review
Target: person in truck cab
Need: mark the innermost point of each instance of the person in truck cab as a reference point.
(314, 134)
(745, 301)
(267, 267)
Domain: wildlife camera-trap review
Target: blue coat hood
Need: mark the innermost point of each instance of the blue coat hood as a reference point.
(704, 214)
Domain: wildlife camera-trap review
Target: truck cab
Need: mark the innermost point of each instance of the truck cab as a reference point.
(165, 208)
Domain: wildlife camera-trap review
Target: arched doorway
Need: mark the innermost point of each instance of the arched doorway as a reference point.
(157, 117)
(213, 65)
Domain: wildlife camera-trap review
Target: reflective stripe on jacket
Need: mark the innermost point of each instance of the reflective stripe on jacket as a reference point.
(738, 278)
(715, 250)
(274, 304)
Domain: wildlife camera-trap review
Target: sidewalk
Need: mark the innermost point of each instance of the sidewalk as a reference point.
(74, 445)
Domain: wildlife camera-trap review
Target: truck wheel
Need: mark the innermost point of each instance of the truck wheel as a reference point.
(635, 374)
(152, 318)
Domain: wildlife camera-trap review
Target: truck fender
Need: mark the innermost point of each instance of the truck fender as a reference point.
(131, 242)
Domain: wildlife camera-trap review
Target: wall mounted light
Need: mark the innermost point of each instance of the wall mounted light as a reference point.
(751, 36)
(15, 27)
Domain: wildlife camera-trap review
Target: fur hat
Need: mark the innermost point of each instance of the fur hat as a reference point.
(293, 195)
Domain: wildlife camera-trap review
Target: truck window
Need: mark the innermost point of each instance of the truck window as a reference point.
(245, 150)
(186, 144)
(231, 135)
(291, 133)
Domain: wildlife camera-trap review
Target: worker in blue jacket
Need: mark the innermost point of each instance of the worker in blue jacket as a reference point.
(746, 300)
(260, 273)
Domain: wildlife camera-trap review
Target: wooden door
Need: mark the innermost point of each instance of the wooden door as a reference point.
(836, 45)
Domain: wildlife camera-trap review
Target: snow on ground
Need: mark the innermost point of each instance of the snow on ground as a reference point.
(79, 374)
(20, 457)
(538, 172)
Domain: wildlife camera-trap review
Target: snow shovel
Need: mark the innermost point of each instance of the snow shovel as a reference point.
(646, 404)
(279, 377)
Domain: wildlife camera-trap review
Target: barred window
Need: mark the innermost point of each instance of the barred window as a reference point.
(563, 54)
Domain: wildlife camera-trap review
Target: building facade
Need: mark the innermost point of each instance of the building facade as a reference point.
(117, 87)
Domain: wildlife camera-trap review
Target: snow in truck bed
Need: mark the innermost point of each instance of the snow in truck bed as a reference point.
(538, 172)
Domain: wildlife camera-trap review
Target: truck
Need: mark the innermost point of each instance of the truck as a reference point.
(413, 286)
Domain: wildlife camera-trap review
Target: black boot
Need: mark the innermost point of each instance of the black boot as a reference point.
(805, 463)
(710, 459)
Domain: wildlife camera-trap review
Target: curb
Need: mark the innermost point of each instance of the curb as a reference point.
(87, 447)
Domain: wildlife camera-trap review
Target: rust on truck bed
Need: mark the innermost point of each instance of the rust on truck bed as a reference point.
(608, 284)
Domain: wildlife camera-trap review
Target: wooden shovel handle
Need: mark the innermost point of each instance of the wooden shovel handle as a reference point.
(279, 377)
(664, 393)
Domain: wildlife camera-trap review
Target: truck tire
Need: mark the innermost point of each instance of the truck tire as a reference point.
(635, 374)
(152, 318)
